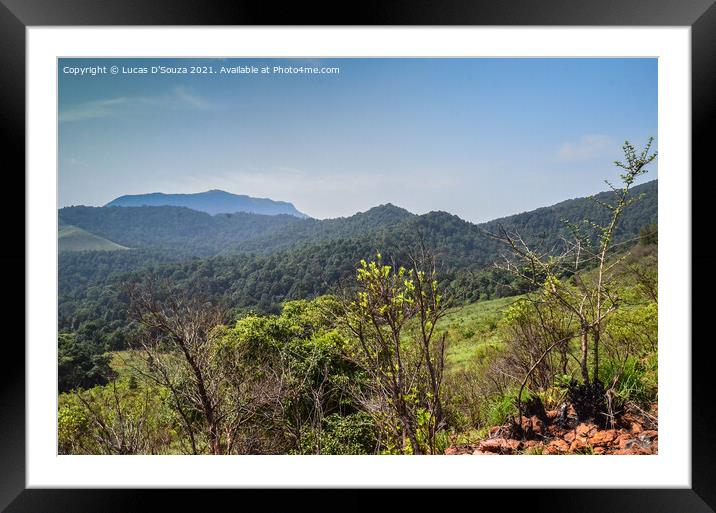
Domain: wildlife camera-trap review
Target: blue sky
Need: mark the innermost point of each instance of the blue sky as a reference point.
(480, 138)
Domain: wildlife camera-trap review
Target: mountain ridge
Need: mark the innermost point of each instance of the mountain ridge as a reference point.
(192, 232)
(213, 202)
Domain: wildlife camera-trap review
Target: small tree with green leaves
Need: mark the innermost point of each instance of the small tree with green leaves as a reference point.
(392, 317)
(591, 296)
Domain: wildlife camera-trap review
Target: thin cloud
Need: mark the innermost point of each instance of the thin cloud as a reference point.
(179, 98)
(185, 96)
(589, 147)
(93, 109)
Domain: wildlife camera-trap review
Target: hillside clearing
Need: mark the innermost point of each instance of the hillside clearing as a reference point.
(73, 238)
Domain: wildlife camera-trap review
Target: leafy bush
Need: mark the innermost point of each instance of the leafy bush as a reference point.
(349, 434)
(119, 418)
(81, 364)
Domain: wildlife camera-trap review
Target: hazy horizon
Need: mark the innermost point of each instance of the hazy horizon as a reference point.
(605, 189)
(479, 138)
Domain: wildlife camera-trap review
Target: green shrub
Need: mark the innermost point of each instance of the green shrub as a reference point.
(350, 434)
(81, 363)
(122, 417)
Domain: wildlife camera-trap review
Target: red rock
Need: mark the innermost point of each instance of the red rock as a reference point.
(451, 450)
(625, 441)
(600, 450)
(499, 445)
(602, 438)
(636, 427)
(557, 432)
(623, 451)
(513, 444)
(577, 444)
(629, 418)
(585, 429)
(533, 426)
(551, 449)
(570, 436)
(649, 433)
(558, 446)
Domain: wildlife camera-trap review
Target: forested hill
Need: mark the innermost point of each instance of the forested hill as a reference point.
(192, 233)
(257, 262)
(211, 202)
(548, 221)
(177, 229)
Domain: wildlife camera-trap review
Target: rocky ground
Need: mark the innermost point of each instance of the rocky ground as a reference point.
(635, 432)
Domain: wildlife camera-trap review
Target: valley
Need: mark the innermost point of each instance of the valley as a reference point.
(278, 289)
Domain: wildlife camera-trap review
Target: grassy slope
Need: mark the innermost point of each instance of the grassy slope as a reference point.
(472, 327)
(73, 238)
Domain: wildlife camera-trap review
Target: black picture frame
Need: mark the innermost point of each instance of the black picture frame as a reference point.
(17, 15)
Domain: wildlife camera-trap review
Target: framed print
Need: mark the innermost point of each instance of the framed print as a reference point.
(421, 251)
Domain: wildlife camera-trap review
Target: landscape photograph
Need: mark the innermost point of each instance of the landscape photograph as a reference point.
(357, 256)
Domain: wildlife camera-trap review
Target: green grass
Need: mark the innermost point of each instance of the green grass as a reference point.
(73, 238)
(471, 329)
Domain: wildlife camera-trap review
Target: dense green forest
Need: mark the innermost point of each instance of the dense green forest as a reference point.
(307, 259)
(383, 332)
(303, 380)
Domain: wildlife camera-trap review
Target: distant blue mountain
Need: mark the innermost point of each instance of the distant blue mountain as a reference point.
(212, 202)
